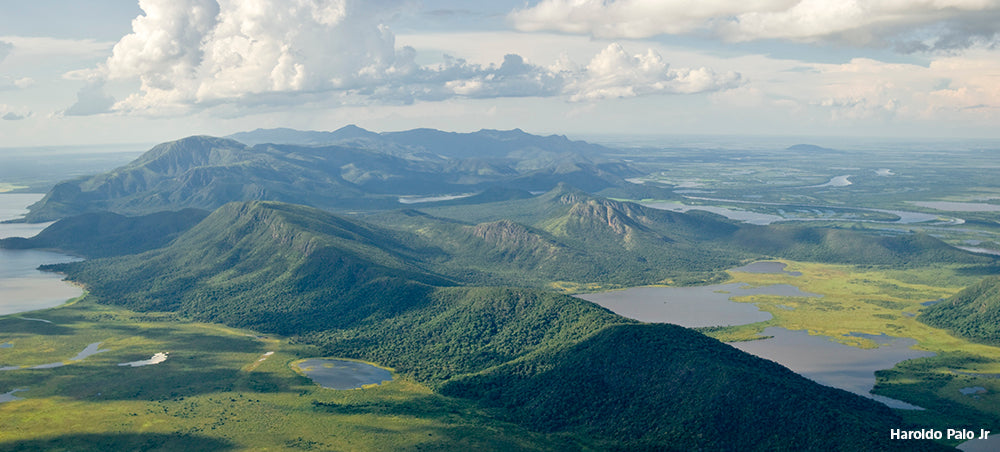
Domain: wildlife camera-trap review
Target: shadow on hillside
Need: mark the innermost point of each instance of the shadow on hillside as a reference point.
(126, 441)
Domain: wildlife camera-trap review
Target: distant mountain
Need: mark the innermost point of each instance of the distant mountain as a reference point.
(810, 148)
(850, 247)
(292, 136)
(207, 172)
(484, 144)
(548, 362)
(973, 313)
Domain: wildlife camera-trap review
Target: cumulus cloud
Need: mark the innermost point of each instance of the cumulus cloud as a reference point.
(916, 25)
(91, 100)
(615, 73)
(195, 54)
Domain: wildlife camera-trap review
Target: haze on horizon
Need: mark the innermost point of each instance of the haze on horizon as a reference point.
(121, 71)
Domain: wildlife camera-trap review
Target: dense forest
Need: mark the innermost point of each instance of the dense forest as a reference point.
(973, 313)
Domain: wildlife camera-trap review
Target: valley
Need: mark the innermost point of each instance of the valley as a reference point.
(215, 260)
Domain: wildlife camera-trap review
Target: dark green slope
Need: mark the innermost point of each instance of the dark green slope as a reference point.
(108, 234)
(973, 313)
(690, 392)
(278, 267)
(357, 291)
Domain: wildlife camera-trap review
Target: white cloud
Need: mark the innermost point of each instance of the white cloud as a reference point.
(24, 82)
(91, 100)
(907, 25)
(197, 54)
(613, 73)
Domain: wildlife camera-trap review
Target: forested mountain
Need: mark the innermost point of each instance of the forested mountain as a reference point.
(546, 361)
(207, 172)
(104, 234)
(973, 313)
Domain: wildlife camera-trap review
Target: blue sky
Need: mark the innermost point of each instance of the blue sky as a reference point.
(119, 71)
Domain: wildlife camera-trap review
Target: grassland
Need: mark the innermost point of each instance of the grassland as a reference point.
(876, 301)
(214, 392)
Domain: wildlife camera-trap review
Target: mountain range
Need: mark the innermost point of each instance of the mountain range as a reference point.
(362, 171)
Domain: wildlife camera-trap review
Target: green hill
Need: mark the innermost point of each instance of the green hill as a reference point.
(548, 362)
(690, 393)
(850, 246)
(106, 234)
(973, 313)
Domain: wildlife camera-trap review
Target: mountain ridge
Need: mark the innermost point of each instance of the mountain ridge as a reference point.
(206, 172)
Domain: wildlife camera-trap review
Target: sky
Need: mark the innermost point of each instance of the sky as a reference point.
(148, 71)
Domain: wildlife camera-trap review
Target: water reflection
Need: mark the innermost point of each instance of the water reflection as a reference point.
(834, 364)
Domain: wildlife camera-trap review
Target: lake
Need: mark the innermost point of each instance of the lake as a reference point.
(22, 286)
(834, 364)
(342, 374)
(814, 357)
(691, 306)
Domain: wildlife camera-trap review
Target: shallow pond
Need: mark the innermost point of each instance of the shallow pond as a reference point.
(9, 396)
(155, 359)
(691, 306)
(342, 374)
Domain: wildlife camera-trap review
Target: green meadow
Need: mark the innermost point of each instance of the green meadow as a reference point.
(216, 391)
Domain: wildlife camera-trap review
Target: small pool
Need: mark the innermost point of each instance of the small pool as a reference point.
(342, 374)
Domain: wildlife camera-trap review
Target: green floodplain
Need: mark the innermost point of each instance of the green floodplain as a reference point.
(223, 388)
(219, 389)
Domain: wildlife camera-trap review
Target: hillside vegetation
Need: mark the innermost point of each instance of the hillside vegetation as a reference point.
(973, 313)
(545, 361)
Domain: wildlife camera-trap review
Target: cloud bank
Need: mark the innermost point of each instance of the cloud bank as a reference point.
(196, 54)
(907, 26)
